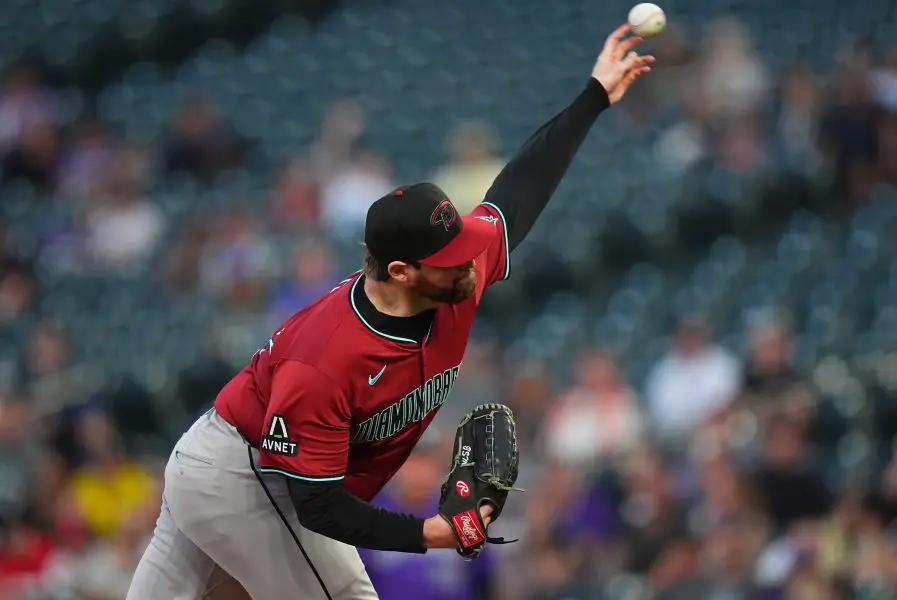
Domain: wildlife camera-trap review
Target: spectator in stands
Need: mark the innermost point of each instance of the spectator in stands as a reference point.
(87, 160)
(295, 200)
(105, 569)
(740, 147)
(11, 259)
(725, 495)
(887, 140)
(473, 164)
(181, 266)
(686, 143)
(735, 85)
(481, 381)
(29, 560)
(66, 244)
(35, 158)
(546, 567)
(884, 82)
(650, 516)
(200, 144)
(798, 120)
(50, 377)
(849, 134)
(199, 382)
(133, 412)
(676, 574)
(792, 486)
(770, 375)
(695, 378)
(20, 459)
(595, 420)
(124, 226)
(435, 575)
(24, 102)
(236, 260)
(875, 555)
(311, 275)
(734, 81)
(817, 548)
(726, 531)
(730, 552)
(838, 535)
(529, 396)
(17, 291)
(883, 495)
(337, 142)
(590, 527)
(348, 195)
(108, 487)
(675, 69)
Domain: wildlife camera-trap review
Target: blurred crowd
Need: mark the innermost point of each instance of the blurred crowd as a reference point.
(707, 480)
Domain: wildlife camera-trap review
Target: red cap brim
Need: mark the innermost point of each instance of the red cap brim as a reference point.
(473, 240)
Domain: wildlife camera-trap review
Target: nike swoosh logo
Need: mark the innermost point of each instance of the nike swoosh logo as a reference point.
(372, 379)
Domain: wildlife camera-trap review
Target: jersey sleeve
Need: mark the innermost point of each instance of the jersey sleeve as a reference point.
(306, 427)
(494, 264)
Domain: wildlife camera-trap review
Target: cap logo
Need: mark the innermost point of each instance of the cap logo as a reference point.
(445, 215)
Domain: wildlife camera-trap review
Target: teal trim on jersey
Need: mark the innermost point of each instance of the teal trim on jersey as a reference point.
(394, 338)
(346, 280)
(504, 224)
(299, 477)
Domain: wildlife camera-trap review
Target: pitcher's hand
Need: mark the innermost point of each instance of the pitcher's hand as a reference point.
(439, 534)
(619, 66)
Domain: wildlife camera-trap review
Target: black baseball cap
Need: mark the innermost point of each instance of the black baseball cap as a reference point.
(418, 223)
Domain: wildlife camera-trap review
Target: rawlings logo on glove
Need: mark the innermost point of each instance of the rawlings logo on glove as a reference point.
(484, 469)
(467, 527)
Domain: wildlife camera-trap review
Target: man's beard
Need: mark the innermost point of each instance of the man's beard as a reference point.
(456, 294)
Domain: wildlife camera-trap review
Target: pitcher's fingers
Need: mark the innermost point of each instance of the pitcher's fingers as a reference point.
(626, 46)
(636, 73)
(613, 40)
(639, 72)
(631, 60)
(631, 77)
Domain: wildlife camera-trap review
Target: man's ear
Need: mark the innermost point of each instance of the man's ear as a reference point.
(400, 271)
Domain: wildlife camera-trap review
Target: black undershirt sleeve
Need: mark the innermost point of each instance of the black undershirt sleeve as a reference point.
(332, 511)
(526, 184)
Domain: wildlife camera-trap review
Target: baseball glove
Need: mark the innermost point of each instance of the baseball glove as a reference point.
(484, 469)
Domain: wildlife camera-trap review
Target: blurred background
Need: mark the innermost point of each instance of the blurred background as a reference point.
(699, 338)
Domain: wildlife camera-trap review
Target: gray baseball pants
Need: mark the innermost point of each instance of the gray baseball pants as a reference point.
(219, 537)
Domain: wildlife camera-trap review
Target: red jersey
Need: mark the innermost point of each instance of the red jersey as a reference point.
(330, 397)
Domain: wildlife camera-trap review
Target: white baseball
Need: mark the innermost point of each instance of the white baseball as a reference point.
(647, 19)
